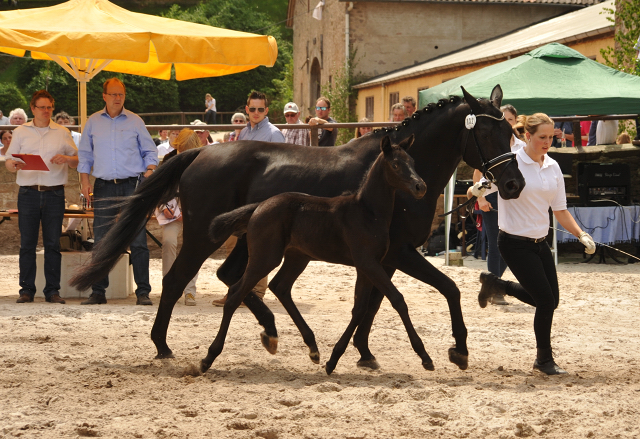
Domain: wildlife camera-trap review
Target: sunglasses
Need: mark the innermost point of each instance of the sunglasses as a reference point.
(238, 121)
(290, 114)
(253, 109)
(322, 108)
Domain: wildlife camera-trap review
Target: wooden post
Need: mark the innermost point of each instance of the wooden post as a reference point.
(314, 135)
(577, 136)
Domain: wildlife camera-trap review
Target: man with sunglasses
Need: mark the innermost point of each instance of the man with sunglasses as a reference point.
(259, 128)
(119, 151)
(328, 136)
(41, 194)
(297, 137)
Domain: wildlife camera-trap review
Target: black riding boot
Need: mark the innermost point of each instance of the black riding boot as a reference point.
(492, 285)
(544, 363)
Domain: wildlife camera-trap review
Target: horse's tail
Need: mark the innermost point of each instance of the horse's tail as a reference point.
(231, 223)
(136, 210)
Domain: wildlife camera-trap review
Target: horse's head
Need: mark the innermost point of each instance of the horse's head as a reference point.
(399, 170)
(486, 143)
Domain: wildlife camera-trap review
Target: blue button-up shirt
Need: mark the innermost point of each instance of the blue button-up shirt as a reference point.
(119, 147)
(264, 131)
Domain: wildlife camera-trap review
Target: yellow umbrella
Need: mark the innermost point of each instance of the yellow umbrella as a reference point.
(88, 36)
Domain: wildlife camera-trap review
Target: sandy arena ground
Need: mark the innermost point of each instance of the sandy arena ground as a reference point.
(78, 371)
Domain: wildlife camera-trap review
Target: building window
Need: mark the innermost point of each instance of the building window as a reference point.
(394, 98)
(369, 108)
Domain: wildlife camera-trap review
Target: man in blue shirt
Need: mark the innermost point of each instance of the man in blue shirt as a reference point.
(258, 128)
(117, 145)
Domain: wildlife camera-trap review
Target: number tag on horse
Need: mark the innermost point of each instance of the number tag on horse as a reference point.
(470, 121)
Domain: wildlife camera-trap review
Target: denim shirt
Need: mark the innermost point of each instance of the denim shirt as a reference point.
(264, 131)
(118, 147)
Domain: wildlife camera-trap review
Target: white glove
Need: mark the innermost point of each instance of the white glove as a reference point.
(478, 189)
(587, 241)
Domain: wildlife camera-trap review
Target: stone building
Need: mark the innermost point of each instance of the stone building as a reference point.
(392, 34)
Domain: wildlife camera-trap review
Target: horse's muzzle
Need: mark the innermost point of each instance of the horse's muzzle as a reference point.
(419, 189)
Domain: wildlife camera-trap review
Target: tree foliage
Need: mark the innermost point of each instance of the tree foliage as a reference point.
(623, 56)
(11, 97)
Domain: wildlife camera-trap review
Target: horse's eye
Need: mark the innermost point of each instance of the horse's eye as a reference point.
(395, 166)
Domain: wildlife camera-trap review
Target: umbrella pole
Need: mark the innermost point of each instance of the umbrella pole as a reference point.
(82, 102)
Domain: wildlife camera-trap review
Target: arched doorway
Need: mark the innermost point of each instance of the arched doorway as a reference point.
(314, 85)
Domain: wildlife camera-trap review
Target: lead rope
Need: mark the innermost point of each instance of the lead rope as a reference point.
(599, 243)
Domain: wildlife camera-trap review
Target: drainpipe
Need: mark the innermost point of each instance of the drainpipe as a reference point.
(346, 33)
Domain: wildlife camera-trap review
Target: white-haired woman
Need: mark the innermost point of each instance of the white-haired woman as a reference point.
(240, 120)
(17, 117)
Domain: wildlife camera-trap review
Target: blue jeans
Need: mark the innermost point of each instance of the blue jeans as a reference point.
(107, 195)
(35, 208)
(495, 262)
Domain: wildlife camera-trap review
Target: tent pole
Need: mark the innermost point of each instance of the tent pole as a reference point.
(83, 102)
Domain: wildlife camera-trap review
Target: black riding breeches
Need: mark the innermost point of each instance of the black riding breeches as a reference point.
(533, 265)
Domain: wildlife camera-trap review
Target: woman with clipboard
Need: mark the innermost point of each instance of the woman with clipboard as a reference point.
(41, 152)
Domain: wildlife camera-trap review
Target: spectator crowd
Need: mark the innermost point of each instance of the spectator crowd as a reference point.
(117, 150)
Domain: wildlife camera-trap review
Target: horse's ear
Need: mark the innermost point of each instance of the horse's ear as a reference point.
(496, 96)
(385, 145)
(473, 102)
(406, 143)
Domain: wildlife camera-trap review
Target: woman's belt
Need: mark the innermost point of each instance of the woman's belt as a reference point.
(521, 238)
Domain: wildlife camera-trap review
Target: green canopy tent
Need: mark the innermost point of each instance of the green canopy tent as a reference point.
(553, 79)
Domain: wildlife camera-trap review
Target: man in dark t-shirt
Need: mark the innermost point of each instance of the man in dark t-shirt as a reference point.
(326, 137)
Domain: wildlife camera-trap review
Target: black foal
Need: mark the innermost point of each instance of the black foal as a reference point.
(349, 230)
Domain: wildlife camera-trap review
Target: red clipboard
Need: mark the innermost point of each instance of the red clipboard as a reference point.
(33, 162)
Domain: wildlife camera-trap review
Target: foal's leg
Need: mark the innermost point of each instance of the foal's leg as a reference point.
(411, 262)
(262, 265)
(293, 265)
(380, 279)
(361, 338)
(361, 297)
(230, 273)
(192, 255)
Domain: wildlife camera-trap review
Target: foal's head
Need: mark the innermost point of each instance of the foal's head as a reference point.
(399, 168)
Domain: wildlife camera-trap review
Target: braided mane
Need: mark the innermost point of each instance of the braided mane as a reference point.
(431, 107)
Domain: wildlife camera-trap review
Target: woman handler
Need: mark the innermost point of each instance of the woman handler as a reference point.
(524, 225)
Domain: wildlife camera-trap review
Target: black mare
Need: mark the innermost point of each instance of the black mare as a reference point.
(349, 230)
(223, 177)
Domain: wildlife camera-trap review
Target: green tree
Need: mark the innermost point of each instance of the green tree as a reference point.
(10, 98)
(623, 55)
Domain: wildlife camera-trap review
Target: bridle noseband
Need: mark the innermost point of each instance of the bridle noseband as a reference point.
(487, 166)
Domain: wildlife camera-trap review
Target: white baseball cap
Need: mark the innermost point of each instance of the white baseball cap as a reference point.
(198, 122)
(291, 107)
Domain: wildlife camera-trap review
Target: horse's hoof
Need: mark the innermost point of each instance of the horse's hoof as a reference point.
(204, 366)
(369, 364)
(461, 360)
(269, 343)
(329, 368)
(164, 355)
(315, 357)
(428, 365)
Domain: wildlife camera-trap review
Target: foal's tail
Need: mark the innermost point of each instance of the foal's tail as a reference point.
(136, 210)
(231, 223)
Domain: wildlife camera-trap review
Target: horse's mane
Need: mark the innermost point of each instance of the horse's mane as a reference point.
(413, 119)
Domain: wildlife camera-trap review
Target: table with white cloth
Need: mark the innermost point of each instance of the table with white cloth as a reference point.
(608, 225)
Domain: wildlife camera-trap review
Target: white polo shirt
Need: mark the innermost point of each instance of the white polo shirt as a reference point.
(528, 215)
(46, 142)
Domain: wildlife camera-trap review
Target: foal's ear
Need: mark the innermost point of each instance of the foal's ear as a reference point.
(473, 102)
(496, 96)
(406, 143)
(385, 145)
